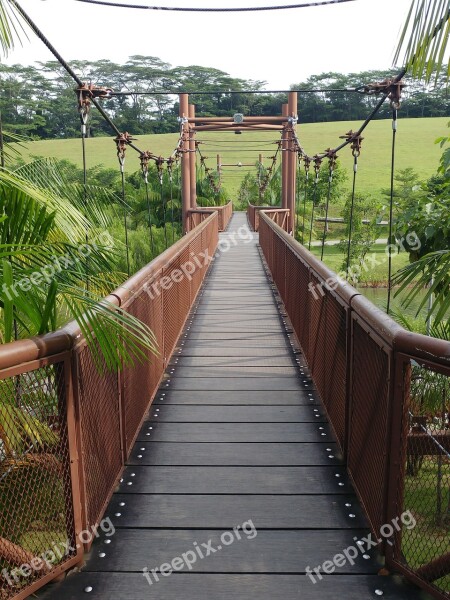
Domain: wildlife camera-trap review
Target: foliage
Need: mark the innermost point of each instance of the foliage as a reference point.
(45, 264)
(429, 217)
(28, 111)
(424, 38)
(364, 218)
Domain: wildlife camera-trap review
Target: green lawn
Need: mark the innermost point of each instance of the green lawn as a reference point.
(373, 275)
(415, 149)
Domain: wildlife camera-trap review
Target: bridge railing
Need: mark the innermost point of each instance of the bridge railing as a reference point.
(66, 429)
(379, 383)
(279, 215)
(198, 215)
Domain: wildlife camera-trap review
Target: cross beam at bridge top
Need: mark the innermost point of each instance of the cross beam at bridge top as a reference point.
(285, 124)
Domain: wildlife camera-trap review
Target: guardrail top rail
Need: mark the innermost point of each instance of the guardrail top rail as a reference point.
(361, 362)
(74, 425)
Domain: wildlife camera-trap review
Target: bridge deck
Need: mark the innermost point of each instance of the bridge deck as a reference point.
(236, 436)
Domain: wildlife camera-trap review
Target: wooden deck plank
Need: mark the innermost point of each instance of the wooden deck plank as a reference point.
(193, 586)
(162, 511)
(231, 384)
(234, 455)
(236, 398)
(236, 414)
(263, 551)
(276, 360)
(235, 480)
(235, 432)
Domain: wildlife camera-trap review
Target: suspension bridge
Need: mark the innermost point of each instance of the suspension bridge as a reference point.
(270, 448)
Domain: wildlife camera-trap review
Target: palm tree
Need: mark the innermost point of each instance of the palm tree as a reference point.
(424, 39)
(45, 264)
(423, 43)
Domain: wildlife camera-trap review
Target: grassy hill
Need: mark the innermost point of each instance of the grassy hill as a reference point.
(415, 149)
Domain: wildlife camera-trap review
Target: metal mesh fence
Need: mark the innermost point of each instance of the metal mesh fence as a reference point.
(388, 404)
(37, 522)
(67, 426)
(100, 426)
(336, 373)
(368, 423)
(423, 546)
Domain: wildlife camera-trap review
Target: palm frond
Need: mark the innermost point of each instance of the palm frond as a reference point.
(424, 38)
(67, 217)
(429, 274)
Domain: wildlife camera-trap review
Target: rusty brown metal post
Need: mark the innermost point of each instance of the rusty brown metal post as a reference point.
(193, 159)
(284, 161)
(185, 161)
(292, 160)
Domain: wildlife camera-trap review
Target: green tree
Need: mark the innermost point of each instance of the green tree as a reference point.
(364, 225)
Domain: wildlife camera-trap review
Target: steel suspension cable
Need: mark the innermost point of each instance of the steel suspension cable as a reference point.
(170, 173)
(297, 200)
(332, 166)
(356, 150)
(307, 162)
(144, 167)
(159, 166)
(391, 205)
(121, 148)
(214, 10)
(84, 108)
(317, 165)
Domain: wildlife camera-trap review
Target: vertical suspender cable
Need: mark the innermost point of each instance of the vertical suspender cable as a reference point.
(307, 161)
(122, 142)
(391, 206)
(332, 165)
(317, 163)
(352, 209)
(297, 199)
(84, 105)
(145, 157)
(159, 166)
(170, 173)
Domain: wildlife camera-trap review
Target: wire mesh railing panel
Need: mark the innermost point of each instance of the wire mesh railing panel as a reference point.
(279, 272)
(422, 547)
(266, 240)
(335, 376)
(197, 257)
(101, 433)
(37, 522)
(299, 298)
(140, 382)
(368, 423)
(317, 354)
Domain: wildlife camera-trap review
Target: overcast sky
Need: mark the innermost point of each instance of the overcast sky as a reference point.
(281, 47)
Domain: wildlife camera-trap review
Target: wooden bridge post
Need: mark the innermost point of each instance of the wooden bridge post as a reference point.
(185, 161)
(193, 160)
(292, 161)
